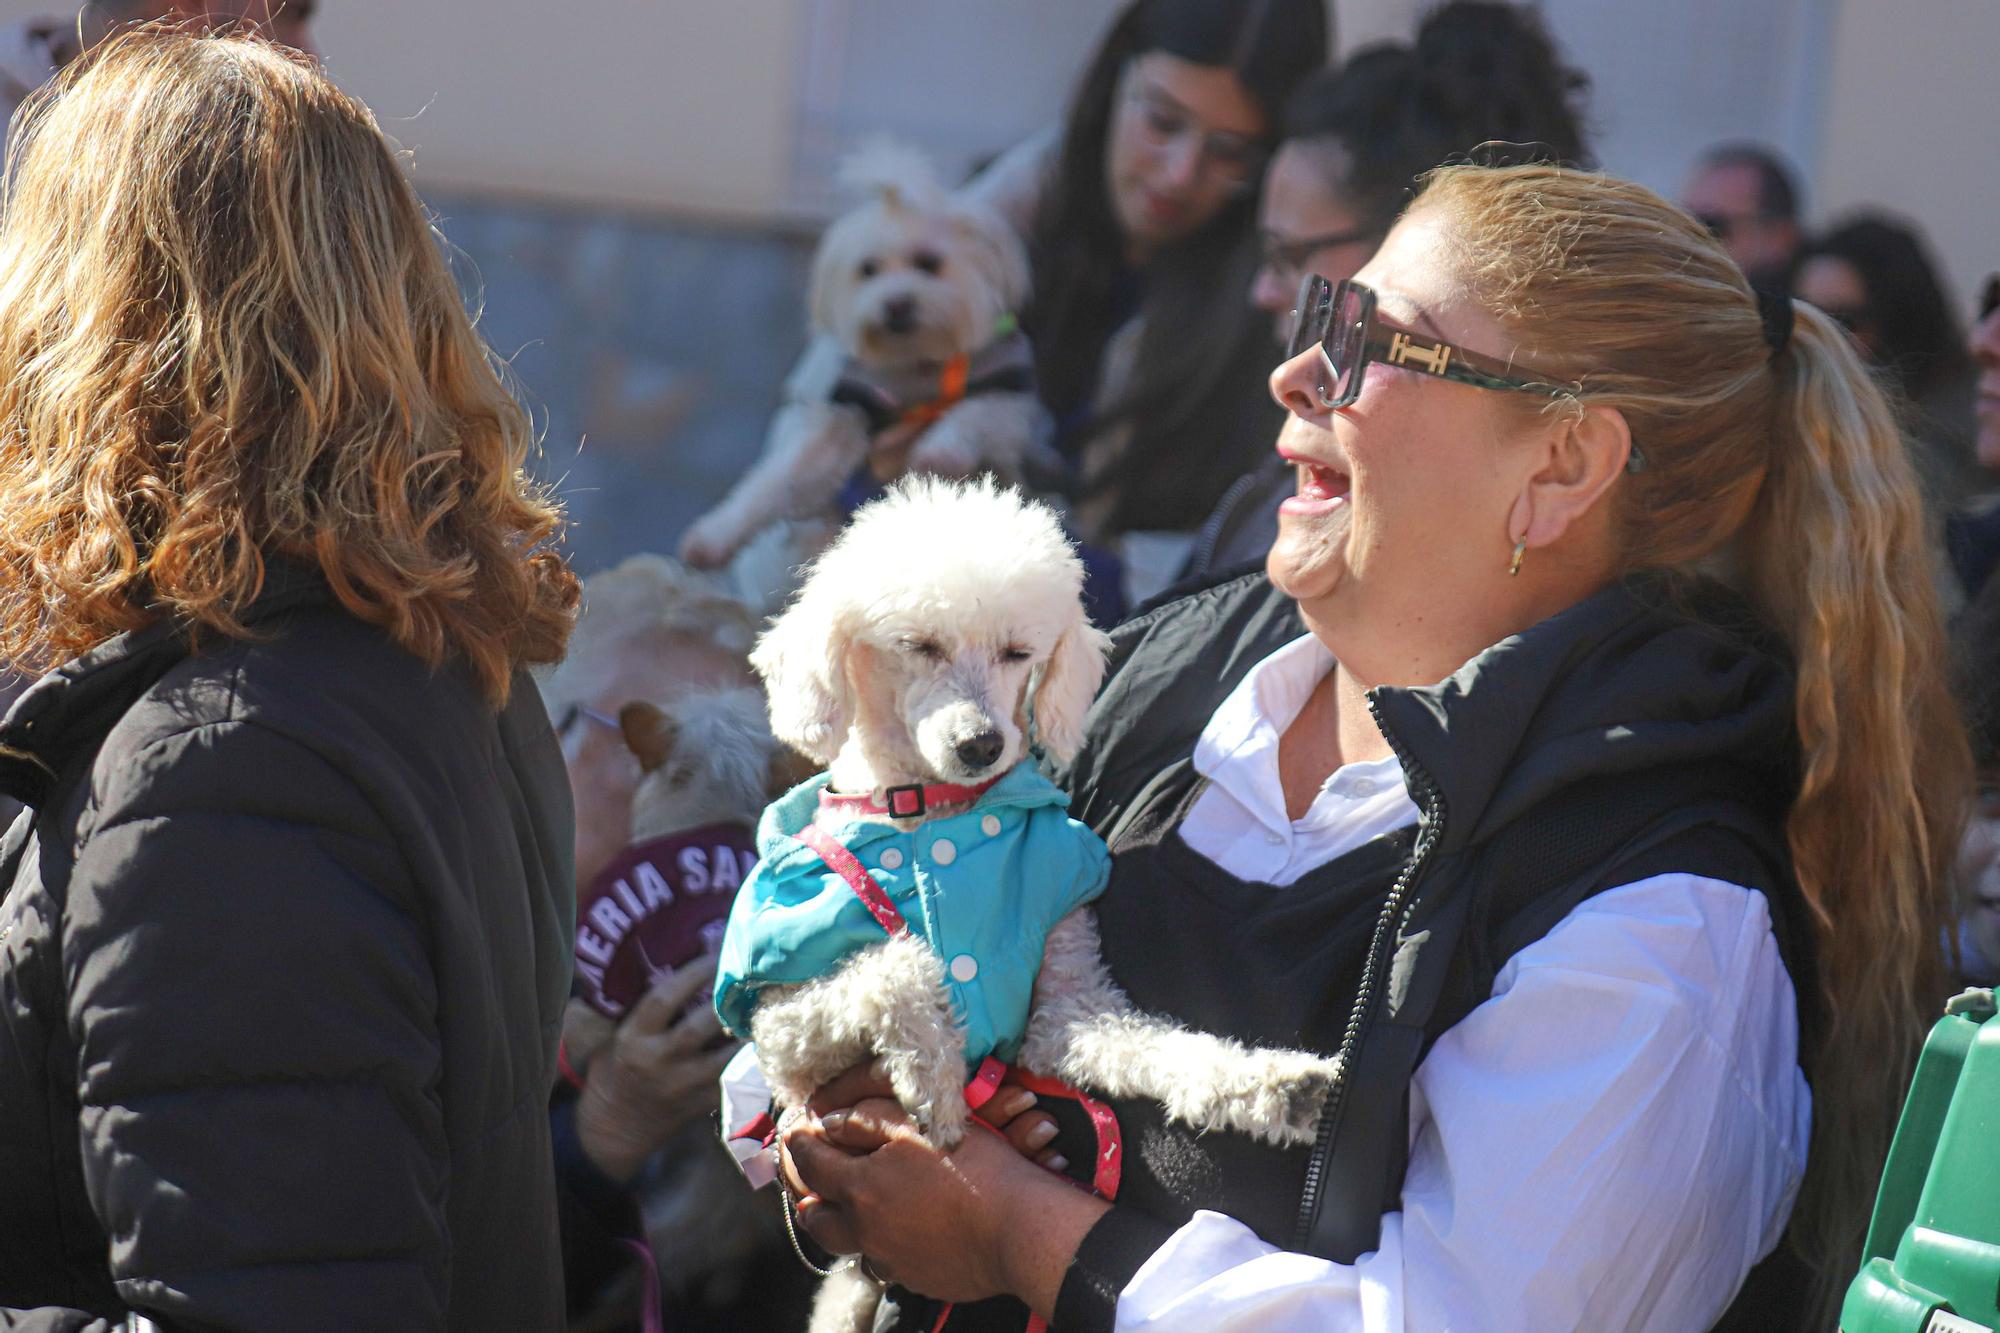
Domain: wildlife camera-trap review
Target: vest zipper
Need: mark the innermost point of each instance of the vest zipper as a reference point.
(1394, 917)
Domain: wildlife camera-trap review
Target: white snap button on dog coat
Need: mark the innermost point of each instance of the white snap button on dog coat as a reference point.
(964, 967)
(943, 852)
(891, 859)
(990, 825)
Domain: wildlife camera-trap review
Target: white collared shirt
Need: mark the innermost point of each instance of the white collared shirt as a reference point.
(1611, 1141)
(1239, 820)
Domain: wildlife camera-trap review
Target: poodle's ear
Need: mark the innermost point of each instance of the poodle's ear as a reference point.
(803, 661)
(1069, 682)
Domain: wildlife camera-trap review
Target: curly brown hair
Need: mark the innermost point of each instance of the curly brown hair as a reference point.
(229, 334)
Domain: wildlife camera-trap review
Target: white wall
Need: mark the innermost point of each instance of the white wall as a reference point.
(681, 104)
(1910, 124)
(724, 107)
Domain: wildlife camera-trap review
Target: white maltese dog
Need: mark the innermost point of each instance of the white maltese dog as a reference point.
(916, 356)
(925, 900)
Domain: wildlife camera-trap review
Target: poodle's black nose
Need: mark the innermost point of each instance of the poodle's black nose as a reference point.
(900, 315)
(981, 750)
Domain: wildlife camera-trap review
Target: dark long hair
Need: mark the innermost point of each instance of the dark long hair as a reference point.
(1482, 80)
(1203, 350)
(1921, 342)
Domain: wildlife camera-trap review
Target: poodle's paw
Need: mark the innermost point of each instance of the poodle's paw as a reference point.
(1274, 1096)
(940, 1113)
(945, 452)
(1302, 1101)
(846, 1302)
(1285, 1106)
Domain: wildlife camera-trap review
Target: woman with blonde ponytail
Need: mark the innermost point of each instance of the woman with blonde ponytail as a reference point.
(1580, 771)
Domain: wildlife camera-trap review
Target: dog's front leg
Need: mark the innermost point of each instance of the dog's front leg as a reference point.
(888, 1000)
(810, 451)
(1084, 1029)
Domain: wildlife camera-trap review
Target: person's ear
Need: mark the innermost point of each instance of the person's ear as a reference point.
(1579, 459)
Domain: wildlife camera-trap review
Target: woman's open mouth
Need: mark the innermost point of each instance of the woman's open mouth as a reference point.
(1322, 489)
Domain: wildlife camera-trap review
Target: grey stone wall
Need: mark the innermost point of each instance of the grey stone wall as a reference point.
(649, 350)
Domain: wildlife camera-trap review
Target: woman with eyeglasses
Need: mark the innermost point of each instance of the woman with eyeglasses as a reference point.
(1581, 770)
(1140, 228)
(1356, 140)
(1872, 275)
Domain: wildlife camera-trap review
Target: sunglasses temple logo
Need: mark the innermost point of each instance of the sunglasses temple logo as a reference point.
(1402, 351)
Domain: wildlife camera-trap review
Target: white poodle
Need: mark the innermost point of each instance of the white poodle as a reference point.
(940, 631)
(915, 345)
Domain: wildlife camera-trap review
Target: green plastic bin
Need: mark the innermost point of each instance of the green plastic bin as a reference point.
(1932, 1263)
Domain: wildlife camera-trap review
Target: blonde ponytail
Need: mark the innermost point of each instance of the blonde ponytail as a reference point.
(1837, 555)
(1790, 470)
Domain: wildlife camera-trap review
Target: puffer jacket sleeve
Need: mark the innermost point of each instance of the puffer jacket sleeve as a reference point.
(252, 993)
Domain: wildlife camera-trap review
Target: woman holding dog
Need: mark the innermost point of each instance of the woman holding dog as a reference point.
(1582, 772)
(286, 938)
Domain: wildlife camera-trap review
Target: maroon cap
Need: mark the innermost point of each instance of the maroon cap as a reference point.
(656, 907)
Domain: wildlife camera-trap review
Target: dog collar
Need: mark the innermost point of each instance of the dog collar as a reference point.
(909, 802)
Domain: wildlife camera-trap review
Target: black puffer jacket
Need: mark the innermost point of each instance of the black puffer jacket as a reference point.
(282, 964)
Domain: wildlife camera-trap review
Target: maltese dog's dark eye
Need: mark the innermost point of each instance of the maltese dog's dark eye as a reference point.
(928, 262)
(924, 648)
(868, 268)
(1014, 652)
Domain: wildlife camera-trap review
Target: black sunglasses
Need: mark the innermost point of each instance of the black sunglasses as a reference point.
(1989, 300)
(1340, 320)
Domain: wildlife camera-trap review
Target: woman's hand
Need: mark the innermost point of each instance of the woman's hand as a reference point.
(655, 1075)
(978, 1221)
(1011, 1110)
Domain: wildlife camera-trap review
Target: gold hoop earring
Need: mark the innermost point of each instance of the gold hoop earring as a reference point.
(1520, 549)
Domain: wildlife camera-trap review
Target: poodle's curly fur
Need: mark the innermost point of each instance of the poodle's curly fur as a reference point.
(947, 611)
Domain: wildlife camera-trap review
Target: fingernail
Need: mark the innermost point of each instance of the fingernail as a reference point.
(1041, 1133)
(1057, 1163)
(1017, 1101)
(833, 1121)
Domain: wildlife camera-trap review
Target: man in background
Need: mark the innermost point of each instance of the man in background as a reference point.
(1744, 194)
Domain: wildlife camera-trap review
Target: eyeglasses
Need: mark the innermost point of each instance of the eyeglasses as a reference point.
(1989, 300)
(577, 713)
(1288, 256)
(1340, 320)
(1229, 160)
